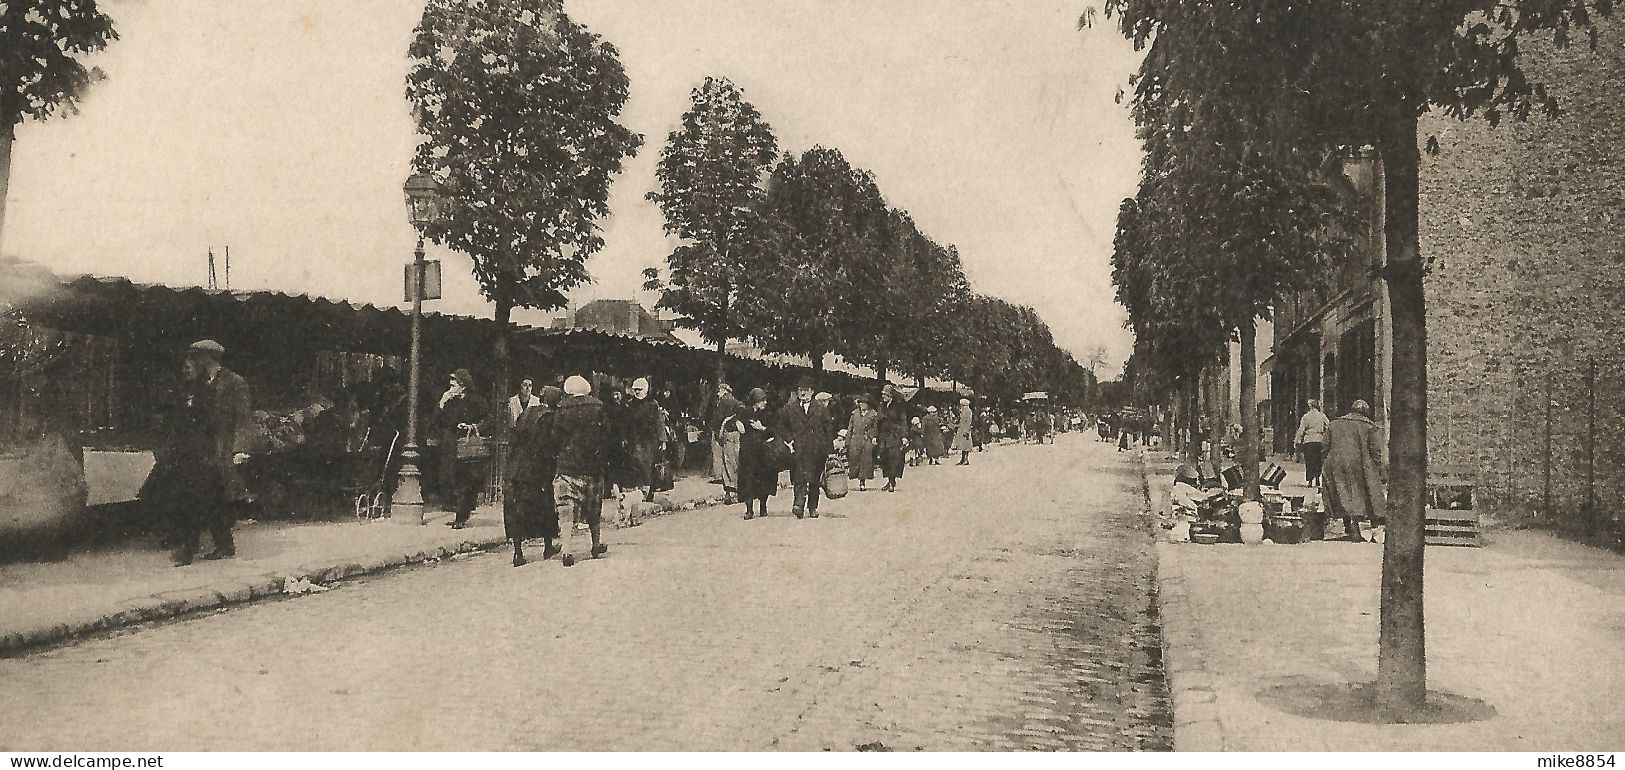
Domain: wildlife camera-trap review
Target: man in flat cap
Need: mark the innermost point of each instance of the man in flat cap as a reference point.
(807, 425)
(218, 406)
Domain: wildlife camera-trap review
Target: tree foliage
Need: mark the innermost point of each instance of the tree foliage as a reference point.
(831, 218)
(519, 111)
(41, 43)
(711, 175)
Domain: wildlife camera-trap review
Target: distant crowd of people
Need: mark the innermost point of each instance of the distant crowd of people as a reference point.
(569, 448)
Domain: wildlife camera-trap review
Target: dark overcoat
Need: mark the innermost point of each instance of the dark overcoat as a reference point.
(527, 498)
(811, 432)
(641, 428)
(935, 442)
(226, 407)
(860, 444)
(891, 438)
(758, 474)
(462, 478)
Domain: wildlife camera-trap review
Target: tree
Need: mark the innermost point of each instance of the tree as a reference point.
(519, 111)
(1338, 74)
(1178, 332)
(711, 173)
(1253, 220)
(41, 42)
(830, 215)
(920, 328)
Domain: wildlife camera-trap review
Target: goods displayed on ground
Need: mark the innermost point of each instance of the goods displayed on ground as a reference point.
(1219, 515)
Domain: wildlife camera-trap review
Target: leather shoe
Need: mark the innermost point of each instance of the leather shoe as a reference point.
(550, 551)
(569, 560)
(599, 550)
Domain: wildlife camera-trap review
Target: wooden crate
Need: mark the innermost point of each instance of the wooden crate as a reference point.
(1450, 518)
(1450, 528)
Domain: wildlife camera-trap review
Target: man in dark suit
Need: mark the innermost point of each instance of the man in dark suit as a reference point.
(219, 405)
(807, 425)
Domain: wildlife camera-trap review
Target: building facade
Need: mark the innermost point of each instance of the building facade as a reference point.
(1521, 229)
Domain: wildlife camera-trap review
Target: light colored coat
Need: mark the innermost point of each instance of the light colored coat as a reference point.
(963, 441)
(1353, 478)
(1312, 428)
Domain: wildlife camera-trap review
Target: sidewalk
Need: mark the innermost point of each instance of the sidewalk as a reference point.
(133, 582)
(1532, 625)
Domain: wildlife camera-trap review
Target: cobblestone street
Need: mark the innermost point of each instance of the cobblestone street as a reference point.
(1007, 605)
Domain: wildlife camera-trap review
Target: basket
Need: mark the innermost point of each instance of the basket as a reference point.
(472, 446)
(1286, 530)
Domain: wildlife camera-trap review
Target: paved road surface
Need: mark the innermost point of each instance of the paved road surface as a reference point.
(1000, 606)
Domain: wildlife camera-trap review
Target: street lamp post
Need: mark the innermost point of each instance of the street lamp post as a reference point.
(406, 506)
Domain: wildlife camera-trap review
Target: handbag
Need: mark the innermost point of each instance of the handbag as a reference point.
(472, 446)
(779, 454)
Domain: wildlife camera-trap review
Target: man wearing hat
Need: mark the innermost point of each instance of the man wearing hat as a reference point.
(218, 406)
(806, 424)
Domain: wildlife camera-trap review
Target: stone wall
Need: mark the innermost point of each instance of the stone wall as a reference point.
(1523, 223)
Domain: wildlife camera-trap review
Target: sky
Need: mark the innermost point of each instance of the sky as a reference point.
(280, 128)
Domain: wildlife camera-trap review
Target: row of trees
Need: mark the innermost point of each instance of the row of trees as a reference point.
(1242, 105)
(520, 112)
(802, 255)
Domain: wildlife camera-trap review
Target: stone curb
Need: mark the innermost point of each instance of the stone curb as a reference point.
(1198, 721)
(172, 604)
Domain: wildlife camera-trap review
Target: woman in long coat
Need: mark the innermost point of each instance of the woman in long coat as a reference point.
(860, 442)
(935, 444)
(963, 441)
(891, 436)
(758, 474)
(460, 411)
(1353, 476)
(527, 496)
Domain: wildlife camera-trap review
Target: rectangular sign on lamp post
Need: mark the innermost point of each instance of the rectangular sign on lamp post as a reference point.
(429, 281)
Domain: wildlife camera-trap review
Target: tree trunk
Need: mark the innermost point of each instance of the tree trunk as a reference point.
(1215, 423)
(1247, 453)
(722, 341)
(722, 361)
(1193, 422)
(1402, 645)
(7, 137)
(499, 355)
(818, 363)
(919, 382)
(880, 373)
